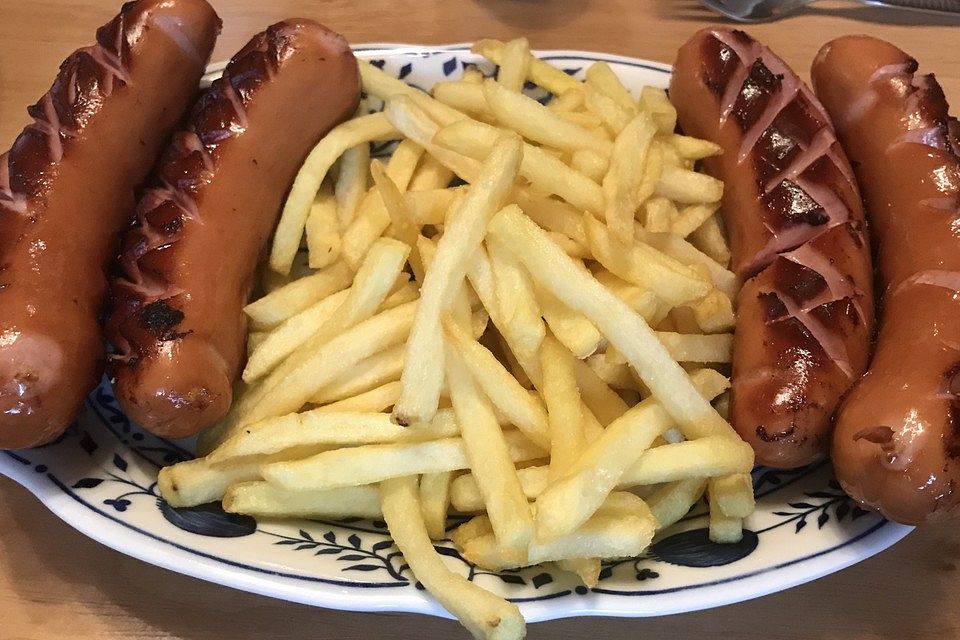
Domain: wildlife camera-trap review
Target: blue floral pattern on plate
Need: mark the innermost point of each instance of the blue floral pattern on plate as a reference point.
(100, 476)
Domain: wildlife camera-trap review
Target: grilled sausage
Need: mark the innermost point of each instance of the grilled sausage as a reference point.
(67, 191)
(897, 442)
(793, 213)
(189, 260)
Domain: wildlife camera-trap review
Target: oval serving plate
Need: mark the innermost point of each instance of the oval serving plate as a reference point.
(100, 477)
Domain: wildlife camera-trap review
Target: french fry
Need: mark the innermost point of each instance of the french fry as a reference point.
(430, 206)
(570, 501)
(423, 373)
(589, 164)
(463, 96)
(374, 281)
(691, 218)
(482, 613)
(517, 299)
(291, 299)
(351, 182)
(535, 122)
(603, 401)
(402, 224)
(672, 501)
(187, 484)
(724, 529)
(621, 325)
(621, 185)
(588, 121)
(434, 502)
(659, 215)
(733, 494)
(503, 390)
(489, 458)
(514, 64)
(375, 400)
(714, 313)
(323, 230)
(328, 429)
(607, 110)
(603, 536)
(261, 499)
(540, 73)
(617, 376)
(548, 173)
(692, 148)
(680, 249)
(688, 187)
(414, 123)
(305, 186)
(642, 265)
(562, 397)
(571, 99)
(697, 348)
(709, 239)
(655, 102)
(572, 329)
(403, 163)
(376, 462)
(602, 78)
(369, 223)
(431, 174)
(377, 370)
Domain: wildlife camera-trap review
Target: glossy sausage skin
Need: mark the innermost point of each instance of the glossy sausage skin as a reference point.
(897, 442)
(67, 191)
(793, 213)
(189, 260)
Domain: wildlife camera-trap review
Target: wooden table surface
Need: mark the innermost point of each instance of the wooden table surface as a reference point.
(56, 583)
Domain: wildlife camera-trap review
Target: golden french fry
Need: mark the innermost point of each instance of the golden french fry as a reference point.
(570, 501)
(489, 457)
(464, 96)
(514, 64)
(328, 429)
(503, 390)
(323, 230)
(377, 370)
(291, 299)
(589, 164)
(562, 397)
(733, 494)
(431, 174)
(351, 182)
(423, 374)
(570, 328)
(540, 73)
(642, 265)
(187, 484)
(602, 78)
(688, 187)
(710, 240)
(607, 109)
(603, 401)
(375, 400)
(659, 215)
(261, 499)
(692, 148)
(413, 122)
(434, 502)
(655, 102)
(697, 348)
(482, 613)
(305, 186)
(724, 529)
(623, 327)
(616, 375)
(680, 249)
(548, 173)
(672, 501)
(621, 185)
(571, 99)
(714, 313)
(691, 218)
(535, 122)
(517, 298)
(375, 462)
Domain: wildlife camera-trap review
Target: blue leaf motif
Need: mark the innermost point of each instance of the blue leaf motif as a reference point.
(352, 557)
(694, 548)
(800, 525)
(87, 444)
(647, 574)
(511, 578)
(405, 70)
(572, 72)
(378, 63)
(383, 544)
(209, 520)
(449, 66)
(605, 573)
(822, 520)
(447, 551)
(329, 536)
(87, 483)
(363, 567)
(119, 462)
(354, 540)
(842, 510)
(308, 545)
(326, 551)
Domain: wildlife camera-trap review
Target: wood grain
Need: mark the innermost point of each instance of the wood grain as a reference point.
(54, 582)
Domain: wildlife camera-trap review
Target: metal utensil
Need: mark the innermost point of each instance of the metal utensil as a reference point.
(765, 10)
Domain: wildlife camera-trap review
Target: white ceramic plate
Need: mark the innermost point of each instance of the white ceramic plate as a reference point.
(100, 477)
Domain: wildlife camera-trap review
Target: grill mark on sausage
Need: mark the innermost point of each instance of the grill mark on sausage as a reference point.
(787, 136)
(186, 169)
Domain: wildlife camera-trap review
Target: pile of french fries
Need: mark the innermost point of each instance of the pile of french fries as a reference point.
(542, 346)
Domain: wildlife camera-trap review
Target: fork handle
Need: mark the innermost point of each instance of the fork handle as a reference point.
(938, 7)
